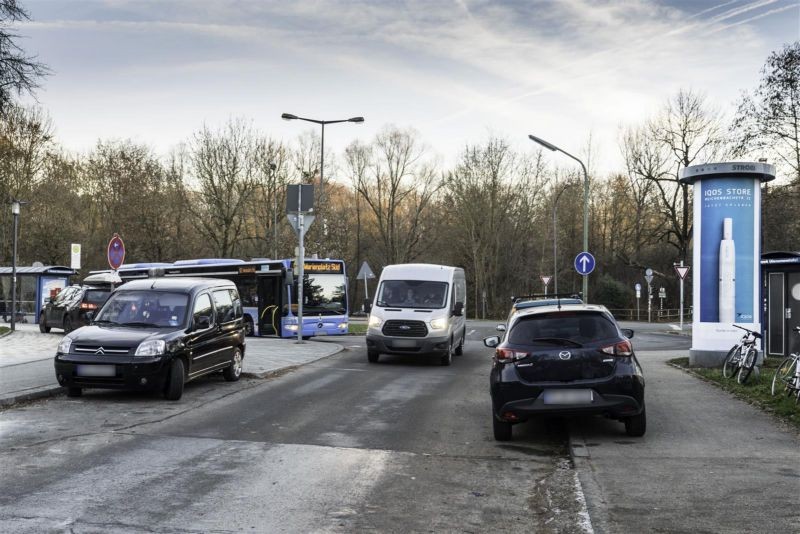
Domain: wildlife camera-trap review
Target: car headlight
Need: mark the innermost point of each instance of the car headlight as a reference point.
(342, 326)
(439, 324)
(375, 321)
(64, 345)
(291, 327)
(153, 347)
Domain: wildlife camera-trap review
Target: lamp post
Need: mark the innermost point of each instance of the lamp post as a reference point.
(555, 239)
(554, 148)
(272, 168)
(15, 204)
(290, 117)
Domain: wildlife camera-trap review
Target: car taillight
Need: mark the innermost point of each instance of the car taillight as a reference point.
(508, 355)
(88, 306)
(623, 348)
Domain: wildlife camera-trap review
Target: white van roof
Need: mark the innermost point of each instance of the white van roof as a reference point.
(418, 271)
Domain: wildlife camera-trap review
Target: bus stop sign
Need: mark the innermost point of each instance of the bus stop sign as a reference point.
(115, 252)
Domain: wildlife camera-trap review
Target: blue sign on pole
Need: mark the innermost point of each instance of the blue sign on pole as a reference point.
(584, 263)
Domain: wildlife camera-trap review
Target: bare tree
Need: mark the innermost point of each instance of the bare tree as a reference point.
(19, 72)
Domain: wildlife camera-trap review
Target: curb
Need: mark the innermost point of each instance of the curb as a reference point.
(40, 392)
(273, 373)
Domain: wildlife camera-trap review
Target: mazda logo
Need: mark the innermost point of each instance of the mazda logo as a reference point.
(100, 350)
(565, 355)
(405, 327)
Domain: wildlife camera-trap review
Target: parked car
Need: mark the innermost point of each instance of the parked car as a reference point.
(563, 360)
(156, 334)
(68, 309)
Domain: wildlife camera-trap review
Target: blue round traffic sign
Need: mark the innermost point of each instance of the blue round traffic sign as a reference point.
(584, 263)
(116, 252)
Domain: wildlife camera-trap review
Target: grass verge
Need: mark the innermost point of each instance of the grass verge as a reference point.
(3, 330)
(357, 329)
(757, 393)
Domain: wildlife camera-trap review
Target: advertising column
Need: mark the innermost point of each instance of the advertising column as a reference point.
(727, 251)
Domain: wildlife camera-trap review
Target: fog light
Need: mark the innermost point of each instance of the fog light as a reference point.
(143, 381)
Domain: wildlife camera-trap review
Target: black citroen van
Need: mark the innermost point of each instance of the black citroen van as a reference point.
(156, 334)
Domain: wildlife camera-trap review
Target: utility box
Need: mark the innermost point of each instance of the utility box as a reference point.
(780, 277)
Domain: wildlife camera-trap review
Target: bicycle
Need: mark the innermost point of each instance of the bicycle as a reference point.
(787, 375)
(741, 359)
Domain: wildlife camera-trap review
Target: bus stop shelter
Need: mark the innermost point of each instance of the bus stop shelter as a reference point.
(780, 272)
(34, 286)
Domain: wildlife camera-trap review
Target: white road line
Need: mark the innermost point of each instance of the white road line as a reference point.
(470, 332)
(675, 327)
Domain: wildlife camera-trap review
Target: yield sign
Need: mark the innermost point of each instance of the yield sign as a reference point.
(546, 279)
(682, 271)
(365, 271)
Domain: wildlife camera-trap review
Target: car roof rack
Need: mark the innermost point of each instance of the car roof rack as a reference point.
(554, 296)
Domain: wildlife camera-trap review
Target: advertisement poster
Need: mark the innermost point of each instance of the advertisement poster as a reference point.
(728, 250)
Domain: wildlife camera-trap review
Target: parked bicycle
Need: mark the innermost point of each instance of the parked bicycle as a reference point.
(787, 375)
(742, 358)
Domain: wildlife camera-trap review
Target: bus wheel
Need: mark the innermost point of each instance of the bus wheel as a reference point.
(249, 330)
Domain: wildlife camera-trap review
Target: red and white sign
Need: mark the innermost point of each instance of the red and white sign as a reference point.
(116, 252)
(546, 279)
(682, 271)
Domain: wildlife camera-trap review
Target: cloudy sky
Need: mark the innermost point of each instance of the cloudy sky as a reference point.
(456, 71)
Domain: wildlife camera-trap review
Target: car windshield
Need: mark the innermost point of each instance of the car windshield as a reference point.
(568, 328)
(144, 308)
(421, 294)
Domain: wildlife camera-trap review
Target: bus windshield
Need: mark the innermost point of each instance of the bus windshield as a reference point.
(323, 294)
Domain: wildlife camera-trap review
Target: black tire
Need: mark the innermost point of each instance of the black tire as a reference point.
(447, 358)
(748, 364)
(67, 324)
(502, 429)
(249, 329)
(372, 356)
(783, 376)
(74, 392)
(460, 347)
(234, 371)
(43, 328)
(173, 389)
(636, 425)
(730, 365)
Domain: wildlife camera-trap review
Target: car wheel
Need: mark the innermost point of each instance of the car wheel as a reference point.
(43, 328)
(233, 372)
(447, 358)
(174, 386)
(67, 324)
(460, 347)
(74, 392)
(502, 429)
(249, 329)
(635, 426)
(372, 356)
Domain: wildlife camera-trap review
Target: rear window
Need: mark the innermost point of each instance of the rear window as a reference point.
(96, 296)
(581, 327)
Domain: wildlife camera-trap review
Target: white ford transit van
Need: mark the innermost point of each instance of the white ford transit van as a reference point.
(418, 309)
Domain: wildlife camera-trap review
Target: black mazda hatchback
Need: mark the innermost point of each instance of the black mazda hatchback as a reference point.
(156, 334)
(562, 360)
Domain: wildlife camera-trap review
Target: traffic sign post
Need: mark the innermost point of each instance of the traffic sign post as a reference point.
(115, 253)
(584, 265)
(662, 294)
(638, 288)
(545, 281)
(648, 276)
(365, 272)
(682, 272)
(299, 205)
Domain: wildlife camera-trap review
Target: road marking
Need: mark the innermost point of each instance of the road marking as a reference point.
(470, 332)
(345, 369)
(675, 327)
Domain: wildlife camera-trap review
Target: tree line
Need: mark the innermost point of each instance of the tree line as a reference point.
(221, 193)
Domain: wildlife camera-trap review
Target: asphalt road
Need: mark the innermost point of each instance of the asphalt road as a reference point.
(404, 445)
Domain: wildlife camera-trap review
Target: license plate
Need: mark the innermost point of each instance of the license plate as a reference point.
(96, 370)
(568, 396)
(404, 343)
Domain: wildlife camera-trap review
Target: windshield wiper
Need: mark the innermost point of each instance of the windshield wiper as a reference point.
(104, 321)
(152, 325)
(557, 341)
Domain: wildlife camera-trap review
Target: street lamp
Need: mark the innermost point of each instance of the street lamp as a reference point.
(554, 148)
(272, 168)
(290, 117)
(555, 239)
(15, 204)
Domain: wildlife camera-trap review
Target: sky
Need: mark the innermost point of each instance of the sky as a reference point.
(455, 71)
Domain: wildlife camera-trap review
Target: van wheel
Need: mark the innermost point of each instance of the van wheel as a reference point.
(460, 347)
(249, 329)
(447, 358)
(502, 429)
(74, 392)
(372, 356)
(637, 425)
(43, 328)
(174, 387)
(233, 372)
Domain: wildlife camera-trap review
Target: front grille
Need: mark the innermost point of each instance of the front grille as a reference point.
(397, 328)
(97, 349)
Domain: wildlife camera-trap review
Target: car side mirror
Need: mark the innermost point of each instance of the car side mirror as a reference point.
(458, 311)
(500, 328)
(491, 341)
(202, 322)
(627, 332)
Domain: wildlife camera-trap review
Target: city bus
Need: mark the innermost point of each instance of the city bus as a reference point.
(268, 289)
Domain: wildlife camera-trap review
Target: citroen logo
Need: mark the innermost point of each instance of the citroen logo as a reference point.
(100, 350)
(565, 355)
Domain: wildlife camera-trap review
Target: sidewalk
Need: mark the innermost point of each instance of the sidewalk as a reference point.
(26, 361)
